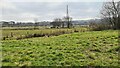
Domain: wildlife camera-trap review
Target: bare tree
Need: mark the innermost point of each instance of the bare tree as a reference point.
(110, 13)
(57, 23)
(68, 21)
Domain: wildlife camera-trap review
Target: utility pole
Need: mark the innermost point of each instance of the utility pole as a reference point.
(67, 12)
(35, 23)
(68, 17)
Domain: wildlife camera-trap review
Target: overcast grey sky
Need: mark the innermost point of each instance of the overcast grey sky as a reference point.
(48, 10)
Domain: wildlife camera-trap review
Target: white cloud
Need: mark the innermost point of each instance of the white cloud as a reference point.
(60, 0)
(20, 17)
(6, 4)
(90, 10)
(28, 15)
(54, 5)
(28, 11)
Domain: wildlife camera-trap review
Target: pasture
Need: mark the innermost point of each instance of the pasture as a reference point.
(29, 32)
(89, 48)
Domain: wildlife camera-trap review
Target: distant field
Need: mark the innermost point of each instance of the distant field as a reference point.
(23, 32)
(94, 48)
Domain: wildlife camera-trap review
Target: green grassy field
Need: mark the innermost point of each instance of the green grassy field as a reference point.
(94, 48)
